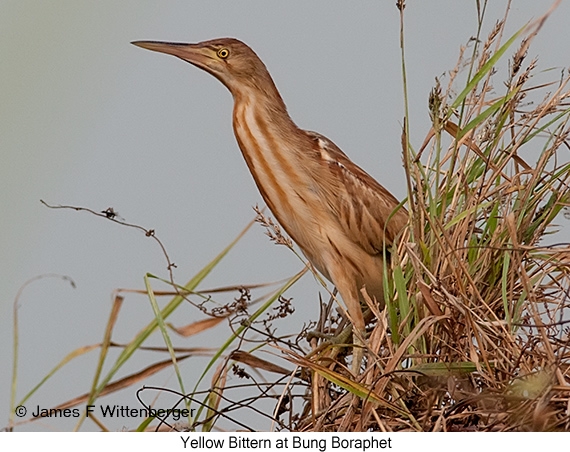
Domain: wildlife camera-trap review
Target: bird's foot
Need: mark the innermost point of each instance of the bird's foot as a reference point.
(343, 338)
(335, 339)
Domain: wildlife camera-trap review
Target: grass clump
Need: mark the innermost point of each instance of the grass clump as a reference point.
(474, 335)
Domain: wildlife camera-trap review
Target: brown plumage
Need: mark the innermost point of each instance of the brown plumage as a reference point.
(329, 206)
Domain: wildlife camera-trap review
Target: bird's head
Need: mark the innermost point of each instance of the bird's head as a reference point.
(229, 60)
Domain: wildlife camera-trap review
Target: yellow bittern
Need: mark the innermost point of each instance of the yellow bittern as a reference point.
(336, 213)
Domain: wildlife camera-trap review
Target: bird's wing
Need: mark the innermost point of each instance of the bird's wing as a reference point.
(360, 204)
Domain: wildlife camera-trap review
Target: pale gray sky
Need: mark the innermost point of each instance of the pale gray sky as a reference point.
(87, 119)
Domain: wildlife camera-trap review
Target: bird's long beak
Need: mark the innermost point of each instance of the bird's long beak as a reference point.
(193, 53)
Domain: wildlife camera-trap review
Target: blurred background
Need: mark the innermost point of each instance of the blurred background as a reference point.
(86, 119)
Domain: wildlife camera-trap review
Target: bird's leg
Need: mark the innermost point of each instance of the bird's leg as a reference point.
(347, 290)
(343, 332)
(341, 336)
(357, 352)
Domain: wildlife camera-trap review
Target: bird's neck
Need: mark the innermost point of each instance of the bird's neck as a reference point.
(272, 146)
(260, 115)
(263, 97)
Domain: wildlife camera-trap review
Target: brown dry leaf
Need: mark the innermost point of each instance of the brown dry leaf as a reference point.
(196, 327)
(257, 363)
(218, 385)
(430, 303)
(427, 139)
(123, 382)
(453, 130)
(182, 291)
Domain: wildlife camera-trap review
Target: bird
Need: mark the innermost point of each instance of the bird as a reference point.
(341, 218)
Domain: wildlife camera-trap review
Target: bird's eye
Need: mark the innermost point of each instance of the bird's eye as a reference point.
(223, 53)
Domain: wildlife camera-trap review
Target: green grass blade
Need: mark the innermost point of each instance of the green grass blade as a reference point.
(70, 356)
(441, 369)
(485, 114)
(482, 72)
(163, 330)
(549, 123)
